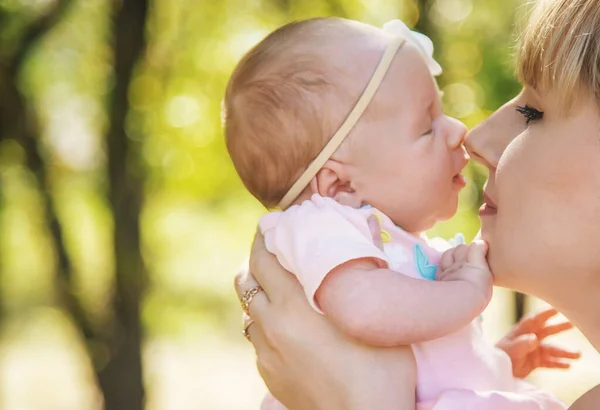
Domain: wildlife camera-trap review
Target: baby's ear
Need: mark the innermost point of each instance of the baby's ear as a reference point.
(325, 183)
(332, 182)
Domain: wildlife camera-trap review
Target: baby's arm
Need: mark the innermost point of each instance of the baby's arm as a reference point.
(383, 308)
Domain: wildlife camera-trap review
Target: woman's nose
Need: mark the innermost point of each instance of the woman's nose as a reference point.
(486, 142)
(475, 143)
(456, 133)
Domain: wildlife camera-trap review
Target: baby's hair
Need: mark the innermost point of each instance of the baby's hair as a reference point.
(280, 103)
(560, 49)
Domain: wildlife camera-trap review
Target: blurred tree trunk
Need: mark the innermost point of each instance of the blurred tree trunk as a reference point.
(425, 26)
(19, 122)
(121, 379)
(519, 300)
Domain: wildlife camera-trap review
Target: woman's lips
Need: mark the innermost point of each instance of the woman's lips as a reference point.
(488, 207)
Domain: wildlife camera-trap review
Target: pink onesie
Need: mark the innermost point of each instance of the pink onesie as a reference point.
(459, 371)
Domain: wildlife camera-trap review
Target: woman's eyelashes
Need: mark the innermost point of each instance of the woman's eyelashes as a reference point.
(530, 113)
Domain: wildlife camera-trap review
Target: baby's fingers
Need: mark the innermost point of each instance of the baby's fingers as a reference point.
(477, 252)
(557, 352)
(447, 260)
(553, 329)
(461, 253)
(554, 364)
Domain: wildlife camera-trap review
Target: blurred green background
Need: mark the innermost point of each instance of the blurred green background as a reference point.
(122, 221)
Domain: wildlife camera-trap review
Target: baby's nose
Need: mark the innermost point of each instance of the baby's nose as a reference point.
(456, 133)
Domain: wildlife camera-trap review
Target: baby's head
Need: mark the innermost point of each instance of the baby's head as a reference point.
(290, 94)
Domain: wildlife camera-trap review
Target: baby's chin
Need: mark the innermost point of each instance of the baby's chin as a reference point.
(443, 213)
(449, 210)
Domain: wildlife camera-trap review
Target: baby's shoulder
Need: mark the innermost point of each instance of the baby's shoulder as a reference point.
(318, 209)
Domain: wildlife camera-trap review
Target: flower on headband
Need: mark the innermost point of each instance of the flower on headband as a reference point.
(421, 41)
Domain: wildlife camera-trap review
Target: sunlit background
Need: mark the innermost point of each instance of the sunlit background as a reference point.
(73, 269)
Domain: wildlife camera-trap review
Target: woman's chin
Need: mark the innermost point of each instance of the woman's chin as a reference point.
(487, 234)
(503, 269)
(497, 269)
(486, 231)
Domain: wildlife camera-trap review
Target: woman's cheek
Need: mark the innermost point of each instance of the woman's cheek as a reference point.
(531, 216)
(514, 228)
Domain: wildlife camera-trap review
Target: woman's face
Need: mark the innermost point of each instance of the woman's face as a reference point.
(542, 218)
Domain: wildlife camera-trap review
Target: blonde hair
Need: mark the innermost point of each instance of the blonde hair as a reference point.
(560, 49)
(281, 104)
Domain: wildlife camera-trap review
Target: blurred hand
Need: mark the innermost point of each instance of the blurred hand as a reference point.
(525, 345)
(305, 361)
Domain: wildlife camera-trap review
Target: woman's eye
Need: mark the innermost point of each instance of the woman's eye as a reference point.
(530, 113)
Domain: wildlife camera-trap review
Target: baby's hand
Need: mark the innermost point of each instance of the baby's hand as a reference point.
(527, 349)
(467, 263)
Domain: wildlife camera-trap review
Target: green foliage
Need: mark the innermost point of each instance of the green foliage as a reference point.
(198, 219)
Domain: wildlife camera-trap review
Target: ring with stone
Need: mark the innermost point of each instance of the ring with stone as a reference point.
(246, 298)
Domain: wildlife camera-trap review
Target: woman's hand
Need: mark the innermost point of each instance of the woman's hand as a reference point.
(526, 349)
(305, 361)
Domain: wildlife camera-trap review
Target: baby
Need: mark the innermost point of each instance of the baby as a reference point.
(340, 126)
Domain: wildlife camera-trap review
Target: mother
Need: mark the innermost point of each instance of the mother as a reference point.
(541, 218)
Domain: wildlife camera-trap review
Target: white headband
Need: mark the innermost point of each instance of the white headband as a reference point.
(401, 34)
